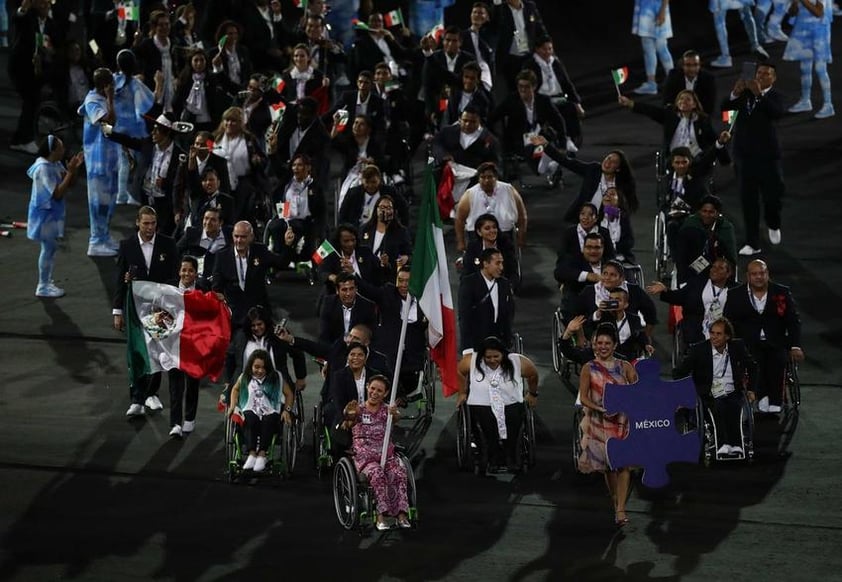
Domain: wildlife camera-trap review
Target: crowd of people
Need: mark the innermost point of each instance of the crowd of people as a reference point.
(220, 122)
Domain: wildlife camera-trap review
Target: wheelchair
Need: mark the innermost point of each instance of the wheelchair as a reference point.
(664, 264)
(354, 500)
(281, 453)
(472, 453)
(323, 458)
(792, 386)
(562, 365)
(427, 388)
(711, 446)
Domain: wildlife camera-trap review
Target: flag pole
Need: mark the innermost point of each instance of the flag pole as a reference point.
(616, 85)
(398, 359)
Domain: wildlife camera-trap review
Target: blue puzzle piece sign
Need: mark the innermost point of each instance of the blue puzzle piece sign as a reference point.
(653, 440)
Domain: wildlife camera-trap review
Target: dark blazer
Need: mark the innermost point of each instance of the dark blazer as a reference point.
(290, 91)
(365, 54)
(569, 246)
(246, 68)
(343, 389)
(226, 203)
(369, 266)
(485, 149)
(190, 244)
(173, 182)
(485, 49)
(352, 205)
(279, 350)
(689, 298)
(639, 302)
(396, 242)
(162, 269)
(669, 119)
(149, 60)
(755, 134)
(335, 356)
(567, 86)
(375, 110)
(471, 262)
(218, 99)
(625, 245)
(779, 321)
(697, 183)
(331, 325)
(317, 205)
(567, 271)
(436, 77)
(504, 25)
(627, 350)
(699, 363)
(704, 88)
(347, 147)
(476, 311)
(194, 179)
(480, 99)
(387, 336)
(314, 143)
(226, 279)
(591, 172)
(258, 39)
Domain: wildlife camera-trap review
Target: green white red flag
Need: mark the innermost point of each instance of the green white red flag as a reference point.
(620, 75)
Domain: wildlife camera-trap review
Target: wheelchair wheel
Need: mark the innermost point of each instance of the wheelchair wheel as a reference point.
(527, 440)
(298, 411)
(464, 455)
(429, 385)
(663, 262)
(321, 447)
(232, 451)
(290, 445)
(792, 392)
(345, 495)
(747, 428)
(677, 346)
(633, 274)
(557, 330)
(411, 492)
(49, 120)
(578, 414)
(517, 343)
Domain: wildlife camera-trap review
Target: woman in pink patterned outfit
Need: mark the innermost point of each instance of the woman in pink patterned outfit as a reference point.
(369, 428)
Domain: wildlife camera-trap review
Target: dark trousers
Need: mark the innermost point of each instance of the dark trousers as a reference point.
(760, 179)
(184, 397)
(771, 367)
(145, 387)
(499, 452)
(29, 89)
(726, 410)
(259, 432)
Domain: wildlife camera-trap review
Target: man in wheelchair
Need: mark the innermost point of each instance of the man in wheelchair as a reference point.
(491, 384)
(725, 375)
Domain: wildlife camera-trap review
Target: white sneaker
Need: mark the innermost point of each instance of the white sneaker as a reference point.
(801, 106)
(175, 431)
(112, 244)
(775, 236)
(154, 403)
(189, 426)
(722, 62)
(724, 450)
(136, 410)
(101, 250)
(749, 250)
(26, 148)
(763, 404)
(737, 451)
(825, 112)
(647, 88)
(49, 290)
(249, 464)
(570, 146)
(774, 409)
(259, 464)
(776, 34)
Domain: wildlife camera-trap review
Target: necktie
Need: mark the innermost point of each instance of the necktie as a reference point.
(241, 271)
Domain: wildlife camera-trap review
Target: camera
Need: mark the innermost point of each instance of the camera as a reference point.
(609, 305)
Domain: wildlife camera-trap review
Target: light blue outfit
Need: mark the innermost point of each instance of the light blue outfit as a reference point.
(4, 24)
(719, 9)
(132, 99)
(339, 19)
(653, 37)
(809, 43)
(775, 10)
(45, 219)
(101, 158)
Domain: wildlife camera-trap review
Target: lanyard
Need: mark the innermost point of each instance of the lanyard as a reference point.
(725, 367)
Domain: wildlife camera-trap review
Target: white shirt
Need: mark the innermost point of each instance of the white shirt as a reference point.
(723, 377)
(451, 62)
(362, 106)
(604, 185)
(501, 203)
(146, 248)
(713, 300)
(296, 138)
(520, 42)
(369, 202)
(685, 135)
(494, 294)
(550, 85)
(466, 140)
(595, 268)
(242, 264)
(158, 169)
(759, 306)
(212, 244)
(346, 317)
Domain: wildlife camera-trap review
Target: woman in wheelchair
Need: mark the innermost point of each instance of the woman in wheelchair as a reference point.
(614, 218)
(725, 374)
(487, 231)
(261, 398)
(597, 427)
(367, 422)
(491, 384)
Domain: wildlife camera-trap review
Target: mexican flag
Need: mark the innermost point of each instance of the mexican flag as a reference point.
(322, 252)
(128, 11)
(430, 282)
(278, 84)
(359, 24)
(277, 110)
(393, 18)
(729, 117)
(167, 328)
(437, 32)
(620, 75)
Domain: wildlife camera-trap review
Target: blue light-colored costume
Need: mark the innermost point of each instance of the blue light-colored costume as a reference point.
(719, 8)
(101, 158)
(775, 10)
(45, 219)
(653, 38)
(809, 43)
(132, 99)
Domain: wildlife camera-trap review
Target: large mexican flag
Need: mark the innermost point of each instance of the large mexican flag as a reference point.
(430, 282)
(169, 328)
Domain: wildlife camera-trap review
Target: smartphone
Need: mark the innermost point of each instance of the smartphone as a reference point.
(610, 304)
(281, 326)
(748, 70)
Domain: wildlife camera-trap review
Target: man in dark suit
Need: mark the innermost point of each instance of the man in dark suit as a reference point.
(469, 143)
(203, 242)
(477, 40)
(301, 132)
(471, 92)
(358, 205)
(442, 73)
(239, 272)
(518, 25)
(765, 316)
(757, 153)
(690, 76)
(199, 158)
(363, 101)
(723, 370)
(325, 54)
(576, 271)
(529, 113)
(344, 310)
(146, 256)
(266, 44)
(486, 304)
(375, 45)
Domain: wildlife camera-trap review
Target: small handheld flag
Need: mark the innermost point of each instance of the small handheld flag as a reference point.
(729, 117)
(620, 76)
(359, 24)
(222, 40)
(393, 18)
(277, 110)
(278, 84)
(322, 252)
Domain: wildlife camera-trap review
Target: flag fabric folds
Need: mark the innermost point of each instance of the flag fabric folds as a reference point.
(430, 283)
(620, 75)
(168, 328)
(322, 252)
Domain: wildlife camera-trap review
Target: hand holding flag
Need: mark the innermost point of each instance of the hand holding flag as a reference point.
(620, 76)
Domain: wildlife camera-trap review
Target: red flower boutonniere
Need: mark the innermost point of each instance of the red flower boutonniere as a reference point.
(780, 304)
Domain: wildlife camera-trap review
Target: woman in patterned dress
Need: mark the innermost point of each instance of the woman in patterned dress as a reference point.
(597, 426)
(369, 428)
